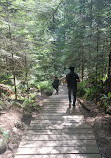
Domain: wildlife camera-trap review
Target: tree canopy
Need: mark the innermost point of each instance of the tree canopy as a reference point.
(42, 38)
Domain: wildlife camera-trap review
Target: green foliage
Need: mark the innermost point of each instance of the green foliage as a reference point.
(81, 88)
(23, 86)
(27, 102)
(90, 89)
(1, 105)
(86, 91)
(105, 78)
(105, 104)
(5, 79)
(14, 103)
(106, 100)
(91, 93)
(34, 83)
(5, 134)
(33, 95)
(109, 95)
(45, 86)
(104, 96)
(29, 105)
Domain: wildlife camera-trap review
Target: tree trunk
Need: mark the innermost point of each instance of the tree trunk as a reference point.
(0, 92)
(26, 73)
(109, 67)
(13, 64)
(90, 38)
(82, 64)
(15, 88)
(97, 43)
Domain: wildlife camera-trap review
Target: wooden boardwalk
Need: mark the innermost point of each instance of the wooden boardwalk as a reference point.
(58, 132)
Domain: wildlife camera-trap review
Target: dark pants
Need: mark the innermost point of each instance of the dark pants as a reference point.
(57, 89)
(72, 91)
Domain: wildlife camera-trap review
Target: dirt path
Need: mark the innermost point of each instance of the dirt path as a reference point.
(13, 123)
(101, 125)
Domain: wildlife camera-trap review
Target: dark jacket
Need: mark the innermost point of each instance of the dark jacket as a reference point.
(71, 79)
(55, 84)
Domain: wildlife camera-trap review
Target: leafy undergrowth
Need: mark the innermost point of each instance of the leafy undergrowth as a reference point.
(96, 91)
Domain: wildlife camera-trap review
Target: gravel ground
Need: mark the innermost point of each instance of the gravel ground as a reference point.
(101, 125)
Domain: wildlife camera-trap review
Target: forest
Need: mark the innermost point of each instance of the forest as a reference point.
(42, 38)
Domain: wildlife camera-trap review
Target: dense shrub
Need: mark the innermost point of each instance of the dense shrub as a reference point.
(45, 87)
(92, 89)
(6, 79)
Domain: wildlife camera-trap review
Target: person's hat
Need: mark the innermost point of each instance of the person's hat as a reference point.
(72, 67)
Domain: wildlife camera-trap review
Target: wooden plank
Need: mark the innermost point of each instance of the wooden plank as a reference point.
(55, 103)
(55, 121)
(62, 116)
(68, 111)
(59, 109)
(54, 128)
(59, 112)
(67, 136)
(60, 156)
(76, 121)
(60, 123)
(56, 116)
(61, 119)
(68, 143)
(56, 108)
(56, 100)
(58, 150)
(51, 119)
(59, 126)
(66, 108)
(43, 118)
(58, 137)
(80, 135)
(62, 131)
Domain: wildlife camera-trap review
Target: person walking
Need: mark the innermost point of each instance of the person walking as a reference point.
(71, 79)
(55, 84)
